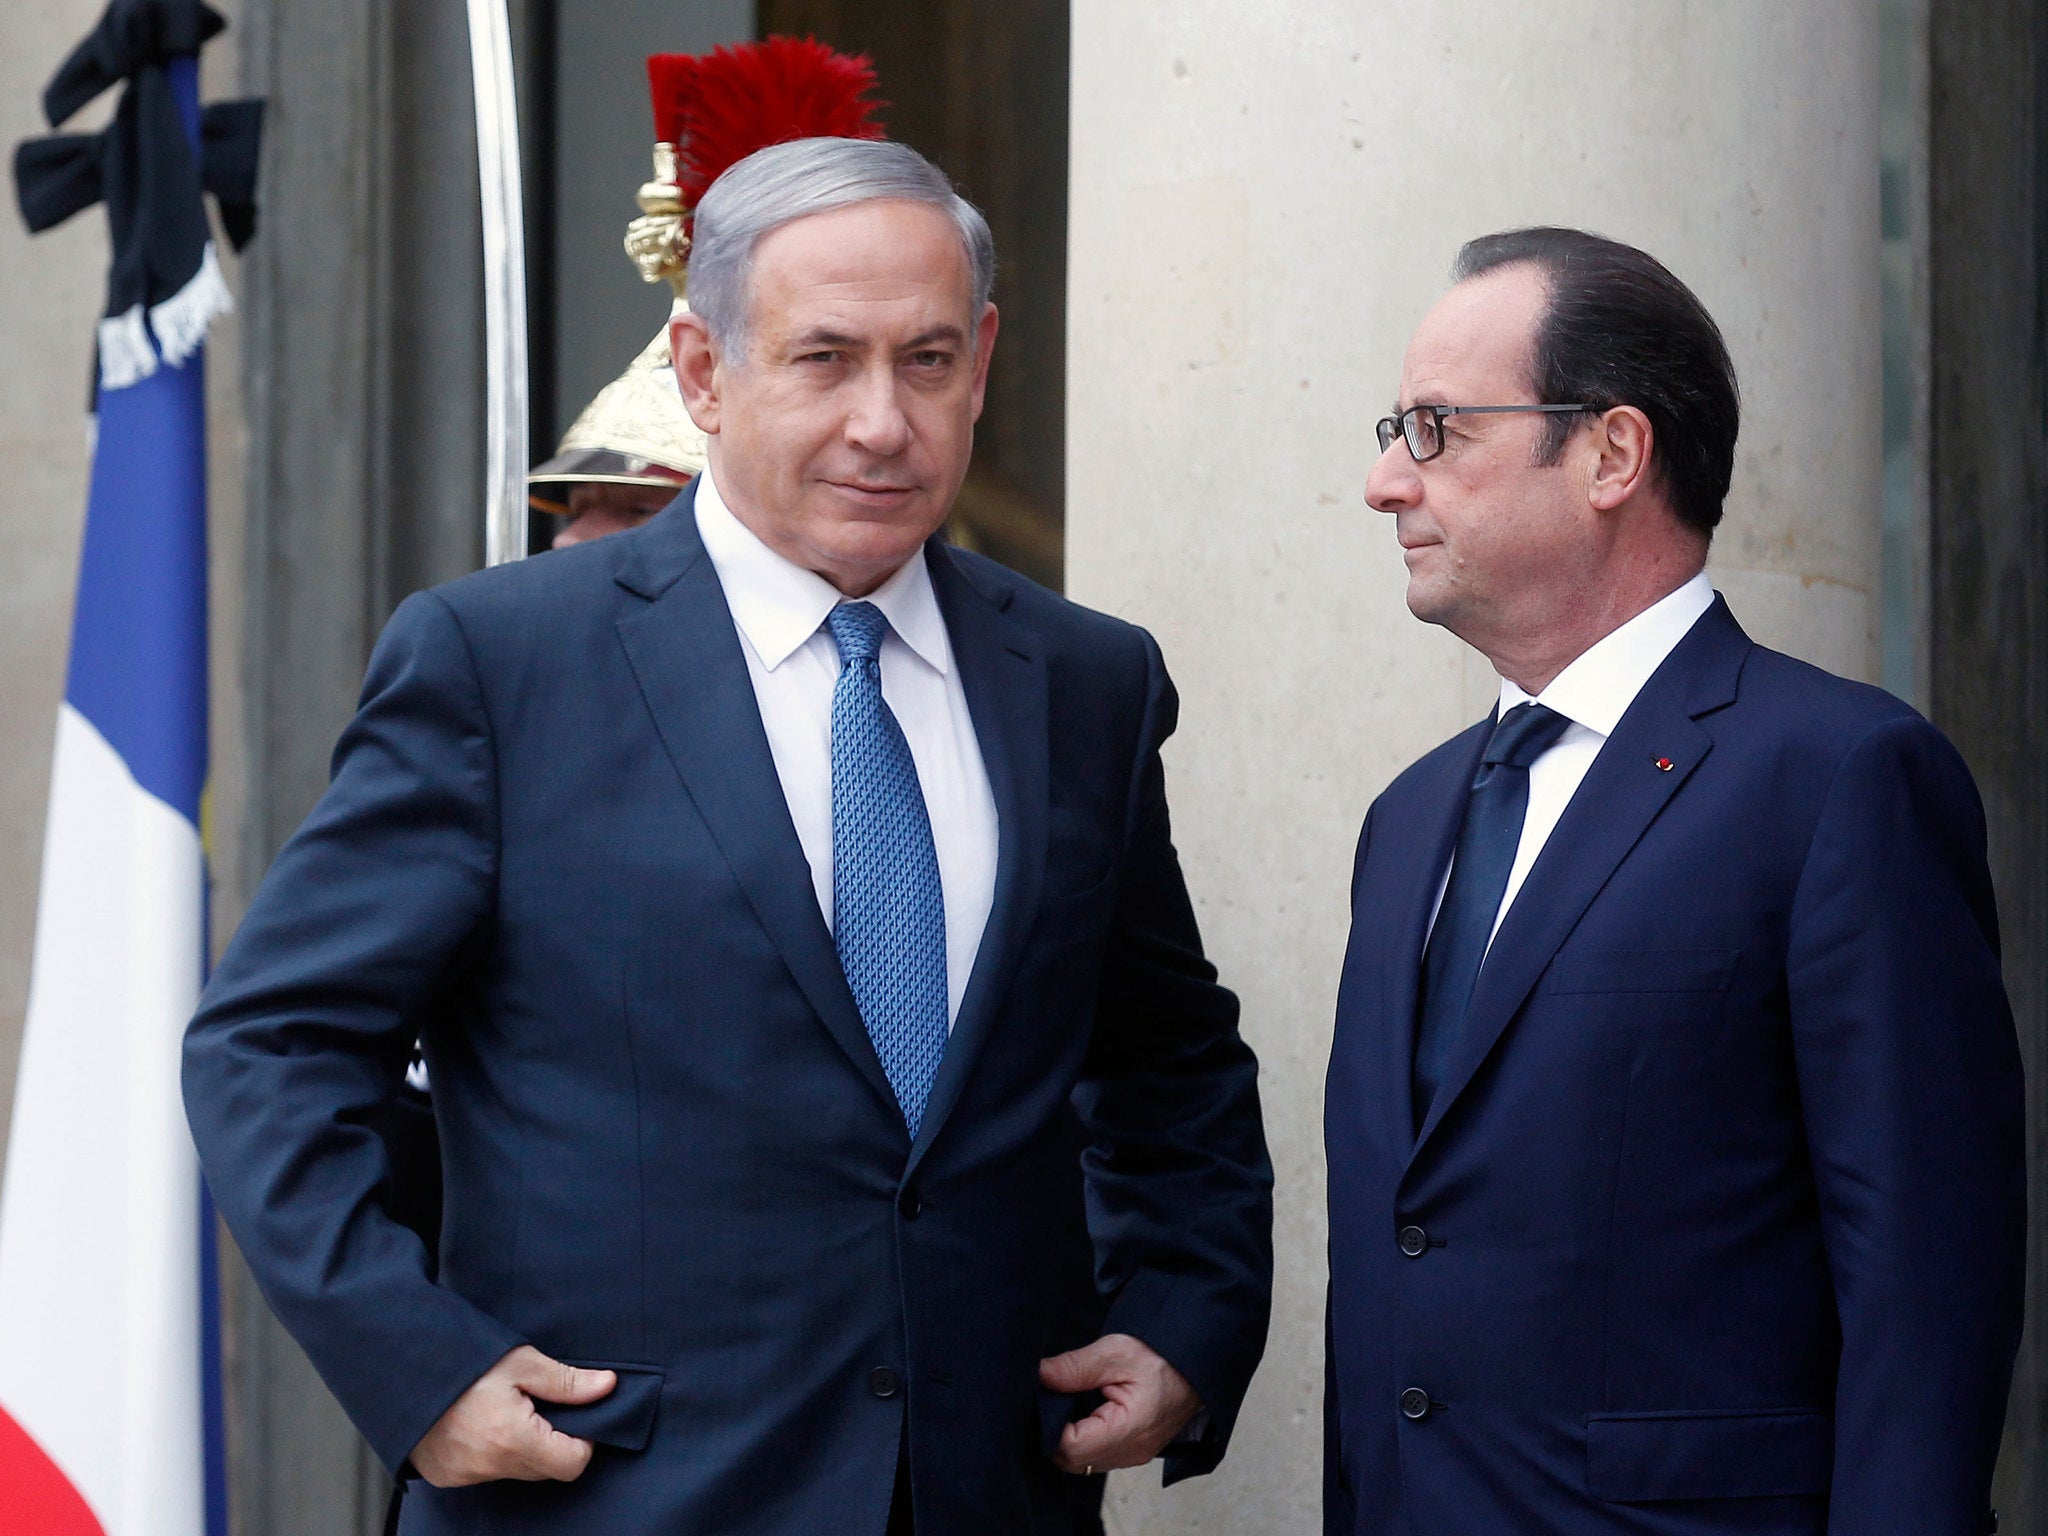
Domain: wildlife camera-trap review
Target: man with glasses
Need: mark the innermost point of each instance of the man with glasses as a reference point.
(1675, 1117)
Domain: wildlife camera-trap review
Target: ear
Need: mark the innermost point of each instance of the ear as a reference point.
(1621, 442)
(984, 347)
(697, 369)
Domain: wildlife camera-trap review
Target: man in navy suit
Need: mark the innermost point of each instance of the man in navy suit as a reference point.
(1674, 1114)
(843, 1130)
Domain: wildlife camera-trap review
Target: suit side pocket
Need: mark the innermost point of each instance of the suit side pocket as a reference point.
(1644, 1458)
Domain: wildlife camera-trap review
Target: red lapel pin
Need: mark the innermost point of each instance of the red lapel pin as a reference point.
(1663, 764)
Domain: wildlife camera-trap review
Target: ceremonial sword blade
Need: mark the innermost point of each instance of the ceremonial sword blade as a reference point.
(504, 242)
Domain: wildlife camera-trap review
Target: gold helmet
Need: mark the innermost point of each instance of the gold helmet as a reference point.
(635, 432)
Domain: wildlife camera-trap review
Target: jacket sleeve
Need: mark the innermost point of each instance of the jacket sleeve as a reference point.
(302, 1036)
(1179, 1183)
(1909, 1073)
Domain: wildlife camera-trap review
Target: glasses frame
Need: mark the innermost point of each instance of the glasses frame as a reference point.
(1387, 428)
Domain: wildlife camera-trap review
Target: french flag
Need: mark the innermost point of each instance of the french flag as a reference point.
(109, 1383)
(102, 1396)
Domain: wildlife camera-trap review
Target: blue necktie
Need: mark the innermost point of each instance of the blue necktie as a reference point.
(888, 913)
(1487, 840)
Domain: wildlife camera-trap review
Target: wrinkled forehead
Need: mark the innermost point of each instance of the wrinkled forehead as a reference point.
(1477, 337)
(868, 252)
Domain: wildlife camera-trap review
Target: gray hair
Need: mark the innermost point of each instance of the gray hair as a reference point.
(785, 182)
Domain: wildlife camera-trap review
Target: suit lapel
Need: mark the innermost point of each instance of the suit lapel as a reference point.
(1003, 676)
(686, 657)
(1622, 793)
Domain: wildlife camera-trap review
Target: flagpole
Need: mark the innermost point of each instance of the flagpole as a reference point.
(504, 242)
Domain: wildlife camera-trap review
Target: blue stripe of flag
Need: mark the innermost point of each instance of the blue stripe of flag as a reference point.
(138, 639)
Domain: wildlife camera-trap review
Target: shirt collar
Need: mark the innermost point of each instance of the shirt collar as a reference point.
(778, 605)
(1596, 689)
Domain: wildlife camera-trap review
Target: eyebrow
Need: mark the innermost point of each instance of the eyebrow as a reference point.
(823, 337)
(820, 337)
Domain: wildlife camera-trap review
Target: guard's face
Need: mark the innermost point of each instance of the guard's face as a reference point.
(596, 509)
(843, 435)
(1495, 543)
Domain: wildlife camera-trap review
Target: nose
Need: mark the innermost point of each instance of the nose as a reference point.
(1393, 484)
(877, 424)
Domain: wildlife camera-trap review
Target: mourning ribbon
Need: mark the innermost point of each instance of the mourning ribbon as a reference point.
(142, 166)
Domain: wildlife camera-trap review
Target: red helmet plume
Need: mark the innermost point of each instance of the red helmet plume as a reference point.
(717, 108)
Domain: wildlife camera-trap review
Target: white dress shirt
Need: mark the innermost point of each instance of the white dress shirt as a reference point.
(1593, 692)
(779, 609)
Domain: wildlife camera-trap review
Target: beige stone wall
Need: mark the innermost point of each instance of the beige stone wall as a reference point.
(52, 290)
(1264, 202)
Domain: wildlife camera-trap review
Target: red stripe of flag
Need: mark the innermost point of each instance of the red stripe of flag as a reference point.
(36, 1499)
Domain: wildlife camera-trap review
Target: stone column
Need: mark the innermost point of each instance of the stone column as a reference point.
(1264, 202)
(363, 369)
(1988, 565)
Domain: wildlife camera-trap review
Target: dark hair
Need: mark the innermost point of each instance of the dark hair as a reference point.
(1619, 329)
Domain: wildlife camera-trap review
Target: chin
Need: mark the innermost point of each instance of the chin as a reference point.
(901, 530)
(1425, 602)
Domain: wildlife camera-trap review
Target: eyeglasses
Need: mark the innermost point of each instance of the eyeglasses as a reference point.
(1423, 425)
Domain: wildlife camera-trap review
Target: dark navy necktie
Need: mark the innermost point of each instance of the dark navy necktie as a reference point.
(888, 913)
(1487, 840)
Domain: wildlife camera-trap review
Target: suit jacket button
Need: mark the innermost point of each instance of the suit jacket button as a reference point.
(909, 1205)
(884, 1382)
(1414, 1242)
(1415, 1404)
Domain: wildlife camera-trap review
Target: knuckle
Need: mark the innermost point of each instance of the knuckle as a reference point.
(566, 1458)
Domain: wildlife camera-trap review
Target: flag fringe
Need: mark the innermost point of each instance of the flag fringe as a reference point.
(126, 357)
(181, 321)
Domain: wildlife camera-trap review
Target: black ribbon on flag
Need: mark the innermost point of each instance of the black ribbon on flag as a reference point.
(143, 168)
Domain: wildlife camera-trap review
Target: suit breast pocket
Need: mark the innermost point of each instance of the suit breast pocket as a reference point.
(1702, 972)
(1093, 893)
(1067, 918)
